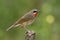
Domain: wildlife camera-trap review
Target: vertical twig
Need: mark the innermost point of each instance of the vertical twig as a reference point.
(30, 35)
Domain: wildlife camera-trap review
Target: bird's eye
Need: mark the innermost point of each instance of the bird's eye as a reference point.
(34, 11)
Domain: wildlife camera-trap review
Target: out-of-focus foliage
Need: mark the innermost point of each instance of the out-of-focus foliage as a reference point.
(46, 26)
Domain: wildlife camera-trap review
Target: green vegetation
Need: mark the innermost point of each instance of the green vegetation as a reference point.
(46, 26)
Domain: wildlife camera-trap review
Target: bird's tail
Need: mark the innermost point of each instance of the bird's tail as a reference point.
(12, 27)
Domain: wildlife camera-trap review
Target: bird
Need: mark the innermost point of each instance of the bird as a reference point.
(25, 20)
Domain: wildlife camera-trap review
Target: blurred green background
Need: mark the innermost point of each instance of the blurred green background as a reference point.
(46, 26)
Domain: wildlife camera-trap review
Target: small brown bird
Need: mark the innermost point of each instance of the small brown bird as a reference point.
(25, 20)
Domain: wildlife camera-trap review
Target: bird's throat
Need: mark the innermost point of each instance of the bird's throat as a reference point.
(35, 14)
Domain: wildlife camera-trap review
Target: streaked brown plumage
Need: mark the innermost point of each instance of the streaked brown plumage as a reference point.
(25, 20)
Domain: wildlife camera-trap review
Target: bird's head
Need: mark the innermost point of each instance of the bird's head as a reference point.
(35, 12)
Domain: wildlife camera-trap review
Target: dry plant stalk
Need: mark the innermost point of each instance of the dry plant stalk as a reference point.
(30, 35)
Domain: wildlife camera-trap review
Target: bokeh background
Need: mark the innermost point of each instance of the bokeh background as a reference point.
(46, 25)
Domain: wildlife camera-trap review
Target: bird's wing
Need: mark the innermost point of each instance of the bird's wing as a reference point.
(25, 18)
